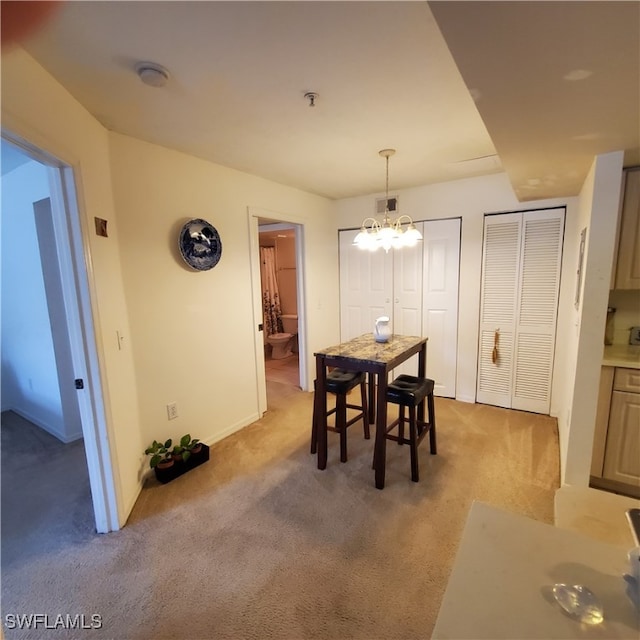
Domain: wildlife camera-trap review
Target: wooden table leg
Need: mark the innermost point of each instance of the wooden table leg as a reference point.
(321, 403)
(422, 373)
(372, 397)
(380, 451)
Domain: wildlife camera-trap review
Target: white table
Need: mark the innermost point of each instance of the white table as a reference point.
(500, 584)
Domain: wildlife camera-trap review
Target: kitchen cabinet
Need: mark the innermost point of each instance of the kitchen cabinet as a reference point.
(627, 263)
(616, 452)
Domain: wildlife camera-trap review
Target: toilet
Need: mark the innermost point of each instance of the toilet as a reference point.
(282, 343)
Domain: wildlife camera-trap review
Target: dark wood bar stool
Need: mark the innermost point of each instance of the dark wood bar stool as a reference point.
(340, 383)
(409, 392)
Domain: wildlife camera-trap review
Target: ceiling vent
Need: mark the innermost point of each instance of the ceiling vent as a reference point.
(391, 203)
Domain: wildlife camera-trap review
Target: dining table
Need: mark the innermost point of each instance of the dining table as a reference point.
(377, 359)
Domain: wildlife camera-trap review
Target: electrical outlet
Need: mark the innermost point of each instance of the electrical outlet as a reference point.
(172, 410)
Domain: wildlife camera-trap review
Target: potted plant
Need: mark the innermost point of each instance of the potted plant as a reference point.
(160, 454)
(169, 462)
(189, 447)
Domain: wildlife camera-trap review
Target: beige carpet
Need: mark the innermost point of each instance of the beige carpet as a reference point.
(257, 543)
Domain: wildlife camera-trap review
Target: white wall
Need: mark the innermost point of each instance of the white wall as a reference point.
(598, 210)
(193, 333)
(470, 199)
(38, 109)
(29, 374)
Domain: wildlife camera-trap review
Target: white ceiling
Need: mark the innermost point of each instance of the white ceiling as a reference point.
(385, 78)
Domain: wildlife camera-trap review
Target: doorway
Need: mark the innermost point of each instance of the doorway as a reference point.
(73, 408)
(286, 235)
(280, 304)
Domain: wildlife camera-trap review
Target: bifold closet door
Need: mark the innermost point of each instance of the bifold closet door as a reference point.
(440, 282)
(366, 287)
(416, 287)
(521, 264)
(407, 297)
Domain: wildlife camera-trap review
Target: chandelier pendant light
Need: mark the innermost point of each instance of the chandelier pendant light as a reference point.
(389, 233)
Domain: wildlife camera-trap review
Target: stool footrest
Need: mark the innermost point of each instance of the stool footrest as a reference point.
(422, 430)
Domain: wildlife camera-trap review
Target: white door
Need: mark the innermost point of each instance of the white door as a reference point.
(417, 288)
(407, 297)
(366, 287)
(518, 311)
(440, 302)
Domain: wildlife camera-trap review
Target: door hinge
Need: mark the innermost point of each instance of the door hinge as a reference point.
(260, 327)
(79, 383)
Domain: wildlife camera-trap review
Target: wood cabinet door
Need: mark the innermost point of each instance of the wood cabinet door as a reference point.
(628, 263)
(622, 455)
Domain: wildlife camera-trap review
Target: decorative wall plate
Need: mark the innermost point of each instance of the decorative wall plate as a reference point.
(200, 244)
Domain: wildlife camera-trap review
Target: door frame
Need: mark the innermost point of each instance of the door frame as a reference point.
(254, 215)
(74, 260)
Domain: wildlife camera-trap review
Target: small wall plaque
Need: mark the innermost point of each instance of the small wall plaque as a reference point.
(101, 227)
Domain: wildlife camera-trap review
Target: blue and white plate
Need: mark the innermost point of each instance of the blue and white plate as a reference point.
(200, 244)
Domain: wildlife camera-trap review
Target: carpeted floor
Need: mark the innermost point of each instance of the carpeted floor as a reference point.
(257, 543)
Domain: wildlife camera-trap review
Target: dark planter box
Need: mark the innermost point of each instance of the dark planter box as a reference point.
(179, 467)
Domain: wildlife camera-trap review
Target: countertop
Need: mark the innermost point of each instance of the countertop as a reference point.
(621, 355)
(503, 574)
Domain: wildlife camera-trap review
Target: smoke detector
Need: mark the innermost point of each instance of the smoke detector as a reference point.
(153, 74)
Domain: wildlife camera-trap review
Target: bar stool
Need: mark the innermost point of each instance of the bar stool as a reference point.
(409, 391)
(340, 383)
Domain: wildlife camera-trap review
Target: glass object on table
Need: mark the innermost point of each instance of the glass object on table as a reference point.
(579, 602)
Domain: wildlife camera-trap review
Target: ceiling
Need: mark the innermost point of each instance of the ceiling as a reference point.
(457, 88)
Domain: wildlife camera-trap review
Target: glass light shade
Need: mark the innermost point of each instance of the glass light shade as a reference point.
(363, 240)
(411, 236)
(387, 236)
(397, 242)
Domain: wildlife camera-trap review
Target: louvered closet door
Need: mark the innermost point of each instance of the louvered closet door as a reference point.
(542, 236)
(500, 276)
(520, 285)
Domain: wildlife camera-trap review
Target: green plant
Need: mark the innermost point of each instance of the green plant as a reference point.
(159, 451)
(187, 445)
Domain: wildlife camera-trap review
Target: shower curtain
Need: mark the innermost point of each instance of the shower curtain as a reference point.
(270, 295)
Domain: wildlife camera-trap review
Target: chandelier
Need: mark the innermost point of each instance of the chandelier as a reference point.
(389, 233)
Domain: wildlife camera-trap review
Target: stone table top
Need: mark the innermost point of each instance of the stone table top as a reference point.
(364, 348)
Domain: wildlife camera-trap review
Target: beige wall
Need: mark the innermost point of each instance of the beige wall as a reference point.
(286, 274)
(193, 332)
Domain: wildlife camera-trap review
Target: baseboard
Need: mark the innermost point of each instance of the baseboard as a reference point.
(45, 427)
(231, 429)
(468, 399)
